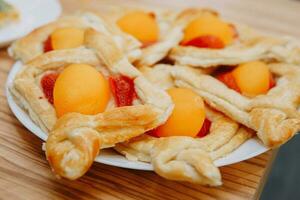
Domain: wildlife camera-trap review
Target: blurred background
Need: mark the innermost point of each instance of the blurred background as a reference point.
(284, 179)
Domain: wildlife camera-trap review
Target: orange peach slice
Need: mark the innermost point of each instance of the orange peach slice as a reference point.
(80, 88)
(252, 78)
(187, 117)
(209, 25)
(141, 25)
(66, 38)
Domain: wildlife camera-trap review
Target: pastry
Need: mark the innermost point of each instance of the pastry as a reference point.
(209, 41)
(185, 158)
(182, 157)
(68, 32)
(273, 115)
(29, 91)
(8, 13)
(118, 124)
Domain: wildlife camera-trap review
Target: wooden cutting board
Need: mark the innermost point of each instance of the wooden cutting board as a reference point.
(25, 174)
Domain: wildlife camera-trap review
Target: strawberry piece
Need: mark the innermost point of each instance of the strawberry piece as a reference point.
(152, 133)
(272, 82)
(48, 45)
(228, 79)
(206, 41)
(47, 83)
(123, 90)
(205, 128)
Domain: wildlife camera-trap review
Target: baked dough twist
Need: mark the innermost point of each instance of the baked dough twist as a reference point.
(76, 139)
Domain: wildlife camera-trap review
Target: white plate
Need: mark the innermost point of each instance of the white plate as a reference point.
(33, 13)
(249, 149)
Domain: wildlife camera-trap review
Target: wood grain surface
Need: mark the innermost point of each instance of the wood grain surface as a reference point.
(25, 174)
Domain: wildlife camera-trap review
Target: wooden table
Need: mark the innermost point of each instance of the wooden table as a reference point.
(25, 174)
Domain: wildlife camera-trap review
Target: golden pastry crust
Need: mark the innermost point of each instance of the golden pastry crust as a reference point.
(186, 158)
(249, 46)
(274, 116)
(32, 45)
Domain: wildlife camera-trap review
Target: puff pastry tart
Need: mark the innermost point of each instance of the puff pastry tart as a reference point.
(98, 96)
(186, 158)
(248, 95)
(68, 32)
(154, 28)
(207, 41)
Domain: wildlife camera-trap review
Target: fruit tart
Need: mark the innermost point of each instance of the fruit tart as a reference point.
(86, 99)
(67, 33)
(8, 13)
(154, 28)
(195, 135)
(262, 96)
(208, 40)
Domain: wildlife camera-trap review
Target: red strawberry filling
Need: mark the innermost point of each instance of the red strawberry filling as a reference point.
(207, 41)
(47, 84)
(228, 79)
(152, 133)
(272, 82)
(48, 45)
(205, 128)
(122, 88)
